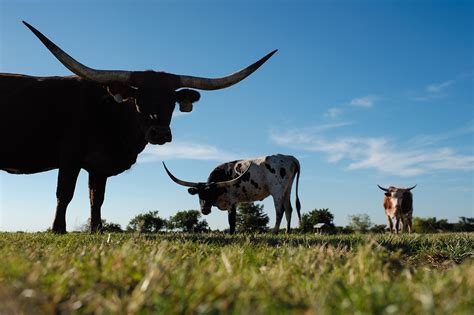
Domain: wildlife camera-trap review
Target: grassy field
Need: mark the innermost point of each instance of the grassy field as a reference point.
(243, 274)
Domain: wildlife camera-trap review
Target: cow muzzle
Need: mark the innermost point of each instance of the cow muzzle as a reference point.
(206, 211)
(158, 135)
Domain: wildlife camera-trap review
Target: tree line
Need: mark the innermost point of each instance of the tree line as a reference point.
(251, 218)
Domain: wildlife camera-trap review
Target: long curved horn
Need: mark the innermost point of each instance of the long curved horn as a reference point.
(179, 181)
(102, 76)
(232, 181)
(221, 83)
(384, 189)
(410, 188)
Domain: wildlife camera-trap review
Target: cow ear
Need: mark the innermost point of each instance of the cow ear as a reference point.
(192, 191)
(388, 194)
(186, 98)
(120, 93)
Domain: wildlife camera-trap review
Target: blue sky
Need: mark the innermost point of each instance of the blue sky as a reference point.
(361, 92)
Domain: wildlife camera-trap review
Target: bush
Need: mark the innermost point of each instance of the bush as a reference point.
(148, 222)
(251, 218)
(310, 219)
(360, 222)
(109, 227)
(188, 221)
(378, 228)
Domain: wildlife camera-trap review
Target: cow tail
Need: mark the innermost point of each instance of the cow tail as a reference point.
(298, 204)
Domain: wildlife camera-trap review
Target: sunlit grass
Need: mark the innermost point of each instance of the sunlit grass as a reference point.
(242, 274)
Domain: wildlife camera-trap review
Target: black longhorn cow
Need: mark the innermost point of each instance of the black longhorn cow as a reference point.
(74, 122)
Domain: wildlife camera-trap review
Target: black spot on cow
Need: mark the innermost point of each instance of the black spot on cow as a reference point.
(282, 172)
(219, 175)
(246, 177)
(254, 184)
(237, 185)
(269, 168)
(244, 190)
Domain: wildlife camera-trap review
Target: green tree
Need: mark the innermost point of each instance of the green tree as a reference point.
(431, 225)
(343, 230)
(424, 225)
(188, 221)
(360, 222)
(378, 228)
(108, 227)
(464, 225)
(251, 218)
(148, 222)
(308, 220)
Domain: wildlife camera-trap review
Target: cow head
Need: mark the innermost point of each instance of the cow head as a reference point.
(394, 196)
(155, 94)
(208, 193)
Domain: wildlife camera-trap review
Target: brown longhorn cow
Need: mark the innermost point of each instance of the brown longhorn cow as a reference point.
(398, 205)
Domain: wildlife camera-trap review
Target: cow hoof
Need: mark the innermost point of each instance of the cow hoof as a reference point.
(59, 231)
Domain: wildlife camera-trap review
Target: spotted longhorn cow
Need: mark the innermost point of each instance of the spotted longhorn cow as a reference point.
(398, 205)
(246, 181)
(74, 122)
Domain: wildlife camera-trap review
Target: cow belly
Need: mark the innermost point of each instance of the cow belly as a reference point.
(27, 170)
(28, 159)
(250, 196)
(391, 212)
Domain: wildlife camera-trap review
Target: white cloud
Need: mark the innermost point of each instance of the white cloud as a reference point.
(377, 153)
(426, 140)
(184, 151)
(434, 91)
(333, 112)
(436, 88)
(366, 101)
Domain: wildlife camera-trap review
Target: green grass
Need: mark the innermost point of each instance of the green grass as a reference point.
(243, 274)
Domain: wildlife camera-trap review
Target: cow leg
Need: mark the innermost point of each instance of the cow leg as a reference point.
(288, 212)
(279, 216)
(390, 224)
(232, 217)
(407, 223)
(279, 209)
(67, 178)
(397, 224)
(96, 197)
